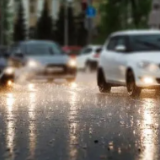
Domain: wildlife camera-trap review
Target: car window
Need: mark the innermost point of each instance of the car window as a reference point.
(35, 50)
(112, 43)
(121, 41)
(86, 51)
(98, 50)
(150, 42)
(117, 41)
(56, 49)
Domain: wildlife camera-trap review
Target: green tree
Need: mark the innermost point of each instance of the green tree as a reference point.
(45, 24)
(6, 21)
(111, 16)
(123, 14)
(60, 26)
(140, 12)
(20, 27)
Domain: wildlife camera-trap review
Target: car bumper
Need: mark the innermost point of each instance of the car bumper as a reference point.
(147, 79)
(44, 74)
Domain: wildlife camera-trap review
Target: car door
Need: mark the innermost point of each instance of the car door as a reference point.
(108, 58)
(120, 59)
(83, 57)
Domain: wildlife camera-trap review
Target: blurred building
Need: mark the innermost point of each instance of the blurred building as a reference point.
(154, 20)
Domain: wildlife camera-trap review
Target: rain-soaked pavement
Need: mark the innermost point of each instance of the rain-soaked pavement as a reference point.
(46, 121)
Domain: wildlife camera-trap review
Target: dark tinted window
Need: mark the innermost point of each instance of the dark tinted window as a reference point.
(34, 49)
(98, 49)
(145, 42)
(43, 49)
(121, 41)
(112, 43)
(86, 51)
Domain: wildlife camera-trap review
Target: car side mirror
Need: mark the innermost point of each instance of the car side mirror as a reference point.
(120, 48)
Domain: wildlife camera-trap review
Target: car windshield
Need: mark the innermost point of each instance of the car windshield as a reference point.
(145, 42)
(44, 49)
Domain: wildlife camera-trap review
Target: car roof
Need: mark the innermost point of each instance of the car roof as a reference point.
(37, 42)
(136, 32)
(94, 46)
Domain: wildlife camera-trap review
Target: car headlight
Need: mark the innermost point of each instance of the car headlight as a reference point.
(32, 64)
(148, 66)
(72, 63)
(9, 70)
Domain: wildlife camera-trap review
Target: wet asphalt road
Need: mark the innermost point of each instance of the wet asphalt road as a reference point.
(47, 121)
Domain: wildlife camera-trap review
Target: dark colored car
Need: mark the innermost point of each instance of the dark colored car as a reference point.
(43, 60)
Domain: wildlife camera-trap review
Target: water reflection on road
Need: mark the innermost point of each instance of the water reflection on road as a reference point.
(73, 134)
(62, 122)
(149, 137)
(10, 125)
(32, 125)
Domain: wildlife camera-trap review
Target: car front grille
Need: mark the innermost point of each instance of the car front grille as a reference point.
(54, 66)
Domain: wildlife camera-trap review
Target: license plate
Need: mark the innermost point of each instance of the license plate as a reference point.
(55, 69)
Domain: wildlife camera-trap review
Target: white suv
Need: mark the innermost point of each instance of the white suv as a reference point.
(131, 59)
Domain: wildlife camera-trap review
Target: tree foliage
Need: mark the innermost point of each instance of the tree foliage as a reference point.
(6, 20)
(124, 14)
(20, 27)
(45, 24)
(60, 25)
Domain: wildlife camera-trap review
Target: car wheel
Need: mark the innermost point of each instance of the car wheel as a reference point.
(132, 89)
(104, 87)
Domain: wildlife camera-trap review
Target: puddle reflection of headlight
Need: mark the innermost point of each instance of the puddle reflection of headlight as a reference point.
(9, 70)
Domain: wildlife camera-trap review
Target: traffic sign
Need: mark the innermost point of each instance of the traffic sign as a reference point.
(91, 12)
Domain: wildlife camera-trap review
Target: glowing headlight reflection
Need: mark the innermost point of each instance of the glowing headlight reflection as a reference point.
(31, 87)
(32, 64)
(9, 83)
(9, 70)
(72, 63)
(148, 80)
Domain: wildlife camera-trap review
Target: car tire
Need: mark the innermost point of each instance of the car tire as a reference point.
(133, 90)
(104, 87)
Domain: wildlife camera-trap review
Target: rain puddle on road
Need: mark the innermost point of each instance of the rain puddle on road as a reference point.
(74, 121)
